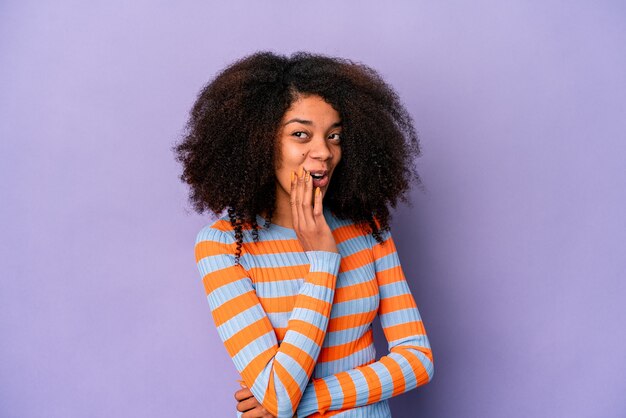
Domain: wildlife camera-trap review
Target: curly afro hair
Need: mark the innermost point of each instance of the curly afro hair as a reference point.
(231, 136)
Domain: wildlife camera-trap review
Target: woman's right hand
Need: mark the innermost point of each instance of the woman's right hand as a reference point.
(247, 403)
(307, 215)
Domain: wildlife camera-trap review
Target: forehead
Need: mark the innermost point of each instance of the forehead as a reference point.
(312, 108)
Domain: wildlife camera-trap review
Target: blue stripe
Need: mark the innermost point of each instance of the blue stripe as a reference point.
(352, 246)
(240, 321)
(279, 288)
(283, 259)
(410, 381)
(356, 359)
(344, 336)
(352, 307)
(387, 262)
(385, 377)
(255, 347)
(293, 368)
(279, 319)
(362, 274)
(228, 292)
(428, 365)
(303, 342)
(360, 383)
(402, 316)
(334, 388)
(212, 263)
(394, 289)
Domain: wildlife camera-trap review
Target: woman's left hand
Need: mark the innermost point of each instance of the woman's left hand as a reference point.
(248, 404)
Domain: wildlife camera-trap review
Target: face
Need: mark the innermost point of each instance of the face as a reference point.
(309, 137)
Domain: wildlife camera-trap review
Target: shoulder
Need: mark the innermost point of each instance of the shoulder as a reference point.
(345, 230)
(214, 239)
(219, 231)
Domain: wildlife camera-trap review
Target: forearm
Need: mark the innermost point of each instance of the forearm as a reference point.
(277, 375)
(286, 369)
(404, 368)
(409, 362)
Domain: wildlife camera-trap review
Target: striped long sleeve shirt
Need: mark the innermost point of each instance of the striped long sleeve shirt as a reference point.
(298, 324)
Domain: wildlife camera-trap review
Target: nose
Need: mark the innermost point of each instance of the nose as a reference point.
(320, 150)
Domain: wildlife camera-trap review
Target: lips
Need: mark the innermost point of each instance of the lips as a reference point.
(319, 177)
(321, 182)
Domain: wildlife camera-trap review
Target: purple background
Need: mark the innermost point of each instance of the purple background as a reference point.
(514, 251)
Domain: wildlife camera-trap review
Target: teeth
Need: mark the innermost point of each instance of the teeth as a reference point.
(317, 176)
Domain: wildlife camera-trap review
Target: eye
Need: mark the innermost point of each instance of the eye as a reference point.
(300, 134)
(336, 137)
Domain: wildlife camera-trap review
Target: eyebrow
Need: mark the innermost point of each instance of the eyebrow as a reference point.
(308, 122)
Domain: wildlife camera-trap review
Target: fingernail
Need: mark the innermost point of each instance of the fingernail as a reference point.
(301, 170)
(317, 191)
(307, 176)
(293, 173)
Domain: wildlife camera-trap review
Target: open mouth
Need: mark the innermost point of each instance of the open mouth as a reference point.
(320, 178)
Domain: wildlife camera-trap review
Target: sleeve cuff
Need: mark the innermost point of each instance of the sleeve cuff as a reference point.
(324, 261)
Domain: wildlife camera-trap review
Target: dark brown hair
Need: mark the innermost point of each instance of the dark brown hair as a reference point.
(228, 150)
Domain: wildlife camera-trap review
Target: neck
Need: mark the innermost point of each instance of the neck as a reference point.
(282, 212)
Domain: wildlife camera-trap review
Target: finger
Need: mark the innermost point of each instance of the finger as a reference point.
(242, 394)
(300, 198)
(307, 203)
(292, 200)
(247, 405)
(318, 212)
(258, 412)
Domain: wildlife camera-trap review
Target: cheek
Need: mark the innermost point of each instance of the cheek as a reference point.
(293, 158)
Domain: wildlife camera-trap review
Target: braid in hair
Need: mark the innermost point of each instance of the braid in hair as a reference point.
(237, 223)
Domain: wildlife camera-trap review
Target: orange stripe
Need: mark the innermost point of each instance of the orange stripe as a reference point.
(277, 274)
(396, 374)
(356, 260)
(211, 248)
(348, 388)
(350, 321)
(373, 383)
(344, 350)
(280, 334)
(356, 291)
(218, 278)
(278, 304)
(346, 232)
(300, 356)
(321, 278)
(291, 386)
(274, 246)
(314, 304)
(396, 332)
(224, 225)
(396, 303)
(386, 248)
(391, 275)
(269, 401)
(246, 335)
(256, 366)
(322, 394)
(234, 306)
(426, 351)
(308, 329)
(421, 374)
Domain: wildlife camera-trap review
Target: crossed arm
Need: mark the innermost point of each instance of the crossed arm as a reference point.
(408, 364)
(276, 375)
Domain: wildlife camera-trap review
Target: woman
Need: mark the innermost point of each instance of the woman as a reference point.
(315, 149)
